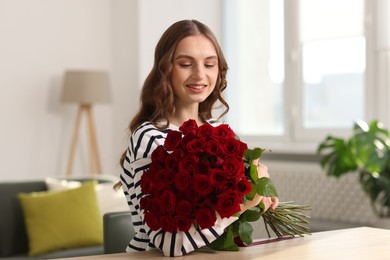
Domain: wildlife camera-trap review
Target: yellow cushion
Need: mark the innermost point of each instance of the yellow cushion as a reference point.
(65, 219)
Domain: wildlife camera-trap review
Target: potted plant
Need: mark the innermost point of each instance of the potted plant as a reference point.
(366, 152)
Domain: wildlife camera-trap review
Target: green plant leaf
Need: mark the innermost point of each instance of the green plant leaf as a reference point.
(367, 151)
(229, 244)
(338, 158)
(235, 226)
(217, 244)
(253, 172)
(245, 231)
(266, 188)
(253, 192)
(249, 215)
(253, 154)
(257, 152)
(225, 242)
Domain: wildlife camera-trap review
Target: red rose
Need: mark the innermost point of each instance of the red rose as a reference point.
(187, 164)
(213, 147)
(160, 177)
(216, 162)
(159, 154)
(167, 223)
(223, 130)
(243, 147)
(229, 184)
(205, 130)
(147, 182)
(146, 203)
(171, 163)
(233, 147)
(218, 178)
(228, 204)
(164, 177)
(187, 138)
(202, 184)
(152, 221)
(156, 167)
(190, 126)
(172, 140)
(202, 167)
(156, 207)
(184, 208)
(244, 187)
(168, 200)
(183, 180)
(187, 194)
(182, 223)
(196, 145)
(233, 167)
(201, 201)
(205, 217)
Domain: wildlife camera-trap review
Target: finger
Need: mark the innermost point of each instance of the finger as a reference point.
(275, 202)
(262, 170)
(267, 203)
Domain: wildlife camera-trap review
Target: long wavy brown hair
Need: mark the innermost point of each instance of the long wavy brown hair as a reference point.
(157, 96)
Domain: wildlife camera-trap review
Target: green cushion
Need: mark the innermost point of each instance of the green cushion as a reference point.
(65, 219)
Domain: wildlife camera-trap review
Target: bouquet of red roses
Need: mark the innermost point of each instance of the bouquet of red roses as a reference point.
(201, 172)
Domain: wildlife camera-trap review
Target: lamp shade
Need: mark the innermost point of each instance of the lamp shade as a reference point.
(86, 87)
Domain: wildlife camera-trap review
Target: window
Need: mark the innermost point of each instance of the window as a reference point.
(298, 69)
(254, 46)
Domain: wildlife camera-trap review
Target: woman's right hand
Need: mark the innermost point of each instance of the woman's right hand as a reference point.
(262, 171)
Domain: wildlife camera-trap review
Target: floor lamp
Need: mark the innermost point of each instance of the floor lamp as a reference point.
(85, 88)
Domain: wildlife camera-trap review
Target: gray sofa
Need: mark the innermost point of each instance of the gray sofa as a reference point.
(13, 236)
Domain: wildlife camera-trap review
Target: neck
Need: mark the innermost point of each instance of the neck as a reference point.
(182, 115)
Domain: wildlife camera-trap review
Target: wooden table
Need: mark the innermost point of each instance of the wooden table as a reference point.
(355, 243)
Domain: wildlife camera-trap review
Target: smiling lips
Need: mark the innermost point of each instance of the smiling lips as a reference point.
(196, 86)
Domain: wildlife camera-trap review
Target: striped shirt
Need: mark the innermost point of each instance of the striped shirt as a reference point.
(143, 141)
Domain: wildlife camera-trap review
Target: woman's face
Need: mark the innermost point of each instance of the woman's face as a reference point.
(195, 70)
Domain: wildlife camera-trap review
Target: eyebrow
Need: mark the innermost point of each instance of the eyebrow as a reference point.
(183, 56)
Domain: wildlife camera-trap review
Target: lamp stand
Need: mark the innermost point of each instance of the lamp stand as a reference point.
(94, 160)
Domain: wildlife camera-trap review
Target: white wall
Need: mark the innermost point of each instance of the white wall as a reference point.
(42, 38)
(155, 16)
(39, 40)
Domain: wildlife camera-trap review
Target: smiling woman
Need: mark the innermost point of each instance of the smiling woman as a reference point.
(187, 79)
(194, 74)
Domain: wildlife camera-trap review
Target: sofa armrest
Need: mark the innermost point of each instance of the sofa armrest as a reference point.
(117, 231)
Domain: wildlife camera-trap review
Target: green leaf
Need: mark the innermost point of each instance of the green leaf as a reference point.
(253, 154)
(261, 207)
(253, 192)
(249, 215)
(235, 226)
(217, 244)
(245, 231)
(253, 172)
(229, 244)
(225, 242)
(257, 152)
(266, 188)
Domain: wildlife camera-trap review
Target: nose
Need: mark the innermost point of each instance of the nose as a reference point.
(198, 72)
